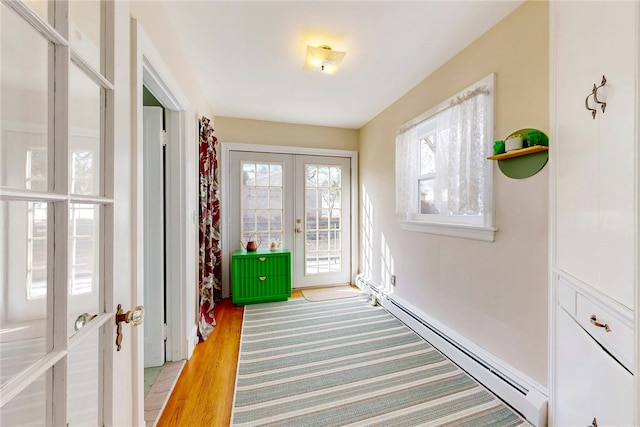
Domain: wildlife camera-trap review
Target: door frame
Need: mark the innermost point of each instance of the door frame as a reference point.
(149, 70)
(225, 244)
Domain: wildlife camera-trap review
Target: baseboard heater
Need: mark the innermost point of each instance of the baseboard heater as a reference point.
(523, 395)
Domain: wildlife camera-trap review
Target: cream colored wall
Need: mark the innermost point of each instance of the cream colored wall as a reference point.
(495, 294)
(230, 129)
(156, 24)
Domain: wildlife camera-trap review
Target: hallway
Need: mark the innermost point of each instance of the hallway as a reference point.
(203, 395)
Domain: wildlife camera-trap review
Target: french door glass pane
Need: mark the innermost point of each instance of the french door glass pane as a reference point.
(24, 103)
(83, 387)
(85, 33)
(323, 210)
(262, 203)
(84, 139)
(84, 283)
(23, 261)
(29, 407)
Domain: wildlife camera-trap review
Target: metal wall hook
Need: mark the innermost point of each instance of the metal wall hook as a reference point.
(603, 105)
(586, 103)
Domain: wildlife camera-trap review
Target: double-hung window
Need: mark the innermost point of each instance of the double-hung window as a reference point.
(443, 179)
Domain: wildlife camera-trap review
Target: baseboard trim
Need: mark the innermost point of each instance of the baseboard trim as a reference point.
(516, 389)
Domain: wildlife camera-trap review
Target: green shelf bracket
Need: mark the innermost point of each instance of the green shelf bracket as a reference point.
(524, 166)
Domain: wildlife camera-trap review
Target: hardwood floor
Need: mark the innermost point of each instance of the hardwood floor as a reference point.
(203, 395)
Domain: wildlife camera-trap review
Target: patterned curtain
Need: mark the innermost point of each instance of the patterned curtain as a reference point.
(210, 278)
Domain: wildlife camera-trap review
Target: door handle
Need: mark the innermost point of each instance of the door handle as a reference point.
(298, 230)
(135, 317)
(82, 320)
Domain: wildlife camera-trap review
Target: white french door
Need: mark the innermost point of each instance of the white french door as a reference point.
(300, 202)
(56, 212)
(322, 221)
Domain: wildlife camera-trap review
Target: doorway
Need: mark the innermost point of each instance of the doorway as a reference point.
(159, 372)
(301, 201)
(180, 210)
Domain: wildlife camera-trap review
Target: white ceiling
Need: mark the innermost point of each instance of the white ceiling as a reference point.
(248, 56)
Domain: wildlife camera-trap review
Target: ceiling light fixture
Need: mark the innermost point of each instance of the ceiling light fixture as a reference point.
(323, 59)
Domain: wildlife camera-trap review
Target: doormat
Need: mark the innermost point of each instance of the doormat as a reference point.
(330, 293)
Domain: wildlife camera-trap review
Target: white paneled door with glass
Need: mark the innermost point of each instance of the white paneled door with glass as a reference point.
(300, 202)
(56, 212)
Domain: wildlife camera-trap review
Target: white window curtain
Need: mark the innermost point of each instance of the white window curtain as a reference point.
(407, 170)
(461, 151)
(463, 130)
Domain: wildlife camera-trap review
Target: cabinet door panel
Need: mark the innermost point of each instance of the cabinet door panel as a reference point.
(576, 146)
(617, 140)
(595, 159)
(589, 383)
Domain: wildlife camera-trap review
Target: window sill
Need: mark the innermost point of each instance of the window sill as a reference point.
(485, 234)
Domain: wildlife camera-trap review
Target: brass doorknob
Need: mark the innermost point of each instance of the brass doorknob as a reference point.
(135, 317)
(298, 230)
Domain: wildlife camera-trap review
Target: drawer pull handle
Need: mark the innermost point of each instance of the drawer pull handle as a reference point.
(262, 278)
(594, 321)
(262, 258)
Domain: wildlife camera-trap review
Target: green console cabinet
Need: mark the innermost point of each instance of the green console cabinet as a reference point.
(261, 276)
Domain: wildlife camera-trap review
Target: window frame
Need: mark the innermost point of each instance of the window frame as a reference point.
(476, 227)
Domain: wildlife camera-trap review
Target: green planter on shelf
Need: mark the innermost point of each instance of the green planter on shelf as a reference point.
(535, 137)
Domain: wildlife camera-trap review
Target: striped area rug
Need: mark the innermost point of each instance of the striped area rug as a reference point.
(344, 362)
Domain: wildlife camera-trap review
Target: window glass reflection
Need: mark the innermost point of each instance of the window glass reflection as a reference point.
(84, 138)
(24, 263)
(24, 104)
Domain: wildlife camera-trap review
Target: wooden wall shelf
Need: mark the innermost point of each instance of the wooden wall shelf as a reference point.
(518, 153)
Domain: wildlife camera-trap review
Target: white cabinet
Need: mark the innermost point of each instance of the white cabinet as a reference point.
(595, 158)
(594, 217)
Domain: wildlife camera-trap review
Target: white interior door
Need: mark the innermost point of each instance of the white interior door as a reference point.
(56, 213)
(298, 202)
(154, 272)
